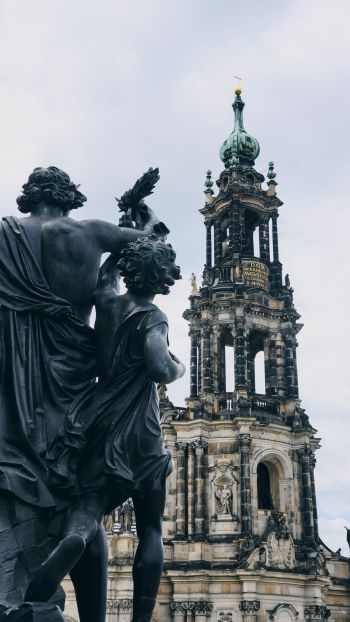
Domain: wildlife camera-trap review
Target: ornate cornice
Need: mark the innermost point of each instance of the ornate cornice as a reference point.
(199, 607)
(200, 443)
(115, 604)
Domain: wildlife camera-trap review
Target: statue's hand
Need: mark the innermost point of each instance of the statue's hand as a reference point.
(147, 221)
(126, 221)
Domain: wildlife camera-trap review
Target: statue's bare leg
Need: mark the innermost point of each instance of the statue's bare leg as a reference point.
(80, 530)
(148, 562)
(89, 577)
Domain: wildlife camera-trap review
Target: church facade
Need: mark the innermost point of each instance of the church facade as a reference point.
(240, 528)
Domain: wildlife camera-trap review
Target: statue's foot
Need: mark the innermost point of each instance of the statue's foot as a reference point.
(50, 574)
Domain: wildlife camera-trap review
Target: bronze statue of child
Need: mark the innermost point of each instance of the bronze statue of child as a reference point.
(111, 448)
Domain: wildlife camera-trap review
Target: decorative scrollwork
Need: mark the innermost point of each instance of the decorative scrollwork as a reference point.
(249, 606)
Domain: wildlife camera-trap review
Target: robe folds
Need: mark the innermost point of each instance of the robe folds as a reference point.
(112, 440)
(47, 359)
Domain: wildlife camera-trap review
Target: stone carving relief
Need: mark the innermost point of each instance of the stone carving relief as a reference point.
(317, 613)
(280, 550)
(119, 604)
(225, 616)
(283, 613)
(198, 607)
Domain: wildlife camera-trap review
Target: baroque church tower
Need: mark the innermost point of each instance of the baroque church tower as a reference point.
(240, 527)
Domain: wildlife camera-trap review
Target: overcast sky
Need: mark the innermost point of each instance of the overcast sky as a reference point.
(104, 89)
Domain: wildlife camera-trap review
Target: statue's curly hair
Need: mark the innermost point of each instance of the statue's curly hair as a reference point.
(148, 266)
(51, 185)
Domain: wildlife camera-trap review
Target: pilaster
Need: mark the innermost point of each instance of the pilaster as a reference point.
(249, 609)
(246, 502)
(200, 481)
(208, 227)
(181, 490)
(264, 238)
(307, 511)
(194, 364)
(191, 474)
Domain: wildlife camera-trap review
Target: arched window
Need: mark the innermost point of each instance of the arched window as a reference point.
(265, 501)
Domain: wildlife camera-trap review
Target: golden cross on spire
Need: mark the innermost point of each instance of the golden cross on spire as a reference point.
(238, 88)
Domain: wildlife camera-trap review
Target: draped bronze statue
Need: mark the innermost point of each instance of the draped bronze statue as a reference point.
(71, 448)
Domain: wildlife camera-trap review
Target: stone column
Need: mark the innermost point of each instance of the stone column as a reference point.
(207, 367)
(200, 509)
(178, 610)
(194, 365)
(235, 227)
(208, 244)
(246, 503)
(125, 609)
(200, 371)
(271, 384)
(316, 613)
(306, 494)
(264, 239)
(280, 364)
(180, 491)
(217, 242)
(202, 610)
(290, 365)
(215, 353)
(249, 609)
(222, 368)
(240, 354)
(313, 493)
(275, 237)
(190, 490)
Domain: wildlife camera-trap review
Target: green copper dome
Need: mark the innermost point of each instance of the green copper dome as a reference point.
(239, 147)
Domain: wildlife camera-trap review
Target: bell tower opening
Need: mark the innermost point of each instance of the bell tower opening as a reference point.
(259, 372)
(251, 234)
(268, 486)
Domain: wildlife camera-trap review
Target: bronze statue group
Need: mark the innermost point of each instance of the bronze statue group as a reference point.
(79, 415)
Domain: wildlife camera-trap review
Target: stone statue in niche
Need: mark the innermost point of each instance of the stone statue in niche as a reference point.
(223, 485)
(54, 488)
(224, 497)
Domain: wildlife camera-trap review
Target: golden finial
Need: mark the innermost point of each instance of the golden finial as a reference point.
(238, 88)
